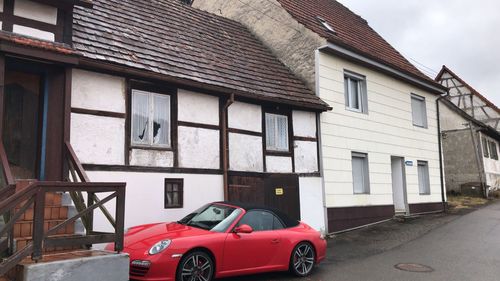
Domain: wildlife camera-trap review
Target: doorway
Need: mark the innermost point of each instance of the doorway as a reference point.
(399, 185)
(21, 130)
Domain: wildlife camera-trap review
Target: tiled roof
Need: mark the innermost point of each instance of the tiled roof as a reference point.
(36, 43)
(176, 40)
(351, 31)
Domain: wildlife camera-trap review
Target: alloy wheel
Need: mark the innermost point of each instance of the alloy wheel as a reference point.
(196, 267)
(303, 259)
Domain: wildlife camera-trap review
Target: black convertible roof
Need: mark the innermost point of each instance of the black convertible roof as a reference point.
(287, 221)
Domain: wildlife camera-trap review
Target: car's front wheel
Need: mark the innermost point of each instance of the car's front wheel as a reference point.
(302, 259)
(197, 266)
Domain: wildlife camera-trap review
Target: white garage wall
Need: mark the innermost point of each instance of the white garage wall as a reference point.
(145, 196)
(312, 209)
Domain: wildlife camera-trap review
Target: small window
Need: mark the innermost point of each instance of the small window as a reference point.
(419, 111)
(277, 132)
(486, 154)
(355, 92)
(150, 119)
(261, 220)
(493, 150)
(424, 185)
(360, 174)
(174, 193)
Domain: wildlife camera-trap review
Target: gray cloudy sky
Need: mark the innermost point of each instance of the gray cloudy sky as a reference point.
(462, 34)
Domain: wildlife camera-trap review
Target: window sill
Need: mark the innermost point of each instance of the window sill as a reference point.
(156, 148)
(421, 127)
(355, 110)
(278, 153)
(173, 207)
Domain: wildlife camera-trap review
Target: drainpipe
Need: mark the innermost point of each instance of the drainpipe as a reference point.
(225, 148)
(441, 170)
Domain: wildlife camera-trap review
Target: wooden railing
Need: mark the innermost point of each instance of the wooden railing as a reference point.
(34, 197)
(13, 205)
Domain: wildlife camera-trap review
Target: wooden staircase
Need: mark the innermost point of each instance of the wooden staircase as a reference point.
(54, 214)
(34, 221)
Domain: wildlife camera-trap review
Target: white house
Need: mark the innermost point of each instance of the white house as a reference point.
(380, 143)
(188, 108)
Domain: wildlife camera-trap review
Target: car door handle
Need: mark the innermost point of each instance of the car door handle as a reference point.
(275, 241)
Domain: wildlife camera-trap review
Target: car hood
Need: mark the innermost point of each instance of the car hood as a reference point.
(145, 236)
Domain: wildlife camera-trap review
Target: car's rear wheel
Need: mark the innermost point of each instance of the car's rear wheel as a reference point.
(302, 259)
(195, 266)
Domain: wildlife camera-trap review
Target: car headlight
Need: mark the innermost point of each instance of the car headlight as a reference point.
(159, 247)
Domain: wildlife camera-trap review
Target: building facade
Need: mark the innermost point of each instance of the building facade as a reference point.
(469, 126)
(380, 143)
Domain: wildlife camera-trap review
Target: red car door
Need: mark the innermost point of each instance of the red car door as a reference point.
(253, 252)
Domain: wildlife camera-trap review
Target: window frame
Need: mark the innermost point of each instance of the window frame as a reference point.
(151, 108)
(158, 89)
(427, 191)
(366, 174)
(282, 112)
(180, 185)
(425, 118)
(493, 149)
(485, 146)
(362, 92)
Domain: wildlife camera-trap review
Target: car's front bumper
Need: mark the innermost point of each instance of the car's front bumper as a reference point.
(163, 267)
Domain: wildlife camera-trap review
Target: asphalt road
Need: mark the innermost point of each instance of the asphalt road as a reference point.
(466, 248)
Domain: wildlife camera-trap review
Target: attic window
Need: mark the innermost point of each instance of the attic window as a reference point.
(326, 25)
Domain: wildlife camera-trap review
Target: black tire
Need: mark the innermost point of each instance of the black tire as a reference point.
(197, 264)
(303, 259)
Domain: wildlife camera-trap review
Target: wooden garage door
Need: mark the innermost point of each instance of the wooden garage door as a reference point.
(280, 191)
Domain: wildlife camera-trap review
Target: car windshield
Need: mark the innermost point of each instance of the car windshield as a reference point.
(212, 217)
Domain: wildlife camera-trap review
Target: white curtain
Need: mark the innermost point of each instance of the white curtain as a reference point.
(140, 117)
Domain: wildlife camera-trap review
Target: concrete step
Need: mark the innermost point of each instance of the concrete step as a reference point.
(85, 265)
(25, 228)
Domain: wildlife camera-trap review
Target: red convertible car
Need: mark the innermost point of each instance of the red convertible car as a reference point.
(223, 240)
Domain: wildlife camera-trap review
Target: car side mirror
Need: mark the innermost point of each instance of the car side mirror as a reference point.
(244, 228)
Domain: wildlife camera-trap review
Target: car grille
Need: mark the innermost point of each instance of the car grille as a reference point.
(138, 270)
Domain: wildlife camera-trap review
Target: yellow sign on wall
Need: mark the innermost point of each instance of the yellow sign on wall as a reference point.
(279, 191)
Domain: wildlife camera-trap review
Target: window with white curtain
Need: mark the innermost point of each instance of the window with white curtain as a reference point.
(360, 174)
(419, 111)
(150, 124)
(277, 132)
(355, 92)
(424, 185)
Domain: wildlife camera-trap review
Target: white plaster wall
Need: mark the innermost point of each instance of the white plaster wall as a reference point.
(304, 124)
(97, 91)
(35, 11)
(198, 148)
(97, 139)
(245, 153)
(197, 108)
(145, 196)
(386, 130)
(450, 120)
(312, 209)
(245, 116)
(306, 157)
(33, 32)
(278, 164)
(151, 158)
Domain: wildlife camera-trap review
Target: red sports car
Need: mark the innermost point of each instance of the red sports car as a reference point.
(223, 240)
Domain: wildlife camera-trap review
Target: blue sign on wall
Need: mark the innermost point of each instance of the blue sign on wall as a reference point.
(409, 163)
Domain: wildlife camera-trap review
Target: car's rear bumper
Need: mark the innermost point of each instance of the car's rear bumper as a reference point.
(321, 250)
